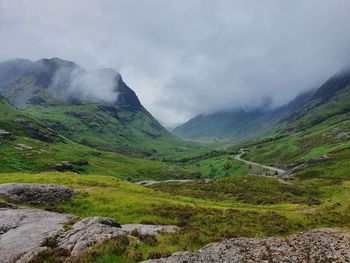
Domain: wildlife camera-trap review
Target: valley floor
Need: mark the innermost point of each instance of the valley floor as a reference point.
(230, 207)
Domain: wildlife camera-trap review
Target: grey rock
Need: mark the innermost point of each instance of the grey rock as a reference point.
(88, 232)
(23, 232)
(321, 245)
(62, 167)
(35, 193)
(7, 135)
(22, 147)
(152, 230)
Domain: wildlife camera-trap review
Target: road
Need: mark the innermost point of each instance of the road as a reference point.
(237, 157)
(271, 168)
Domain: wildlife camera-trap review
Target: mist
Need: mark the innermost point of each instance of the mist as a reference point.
(186, 57)
(96, 85)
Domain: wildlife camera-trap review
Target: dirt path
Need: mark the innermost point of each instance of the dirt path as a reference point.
(271, 168)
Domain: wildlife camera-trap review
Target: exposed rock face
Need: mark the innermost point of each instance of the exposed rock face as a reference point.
(87, 232)
(34, 130)
(322, 245)
(35, 193)
(24, 232)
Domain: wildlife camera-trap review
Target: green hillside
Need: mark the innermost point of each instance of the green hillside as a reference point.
(240, 124)
(27, 145)
(44, 89)
(317, 135)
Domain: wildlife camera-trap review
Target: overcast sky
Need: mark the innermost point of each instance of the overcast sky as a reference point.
(186, 57)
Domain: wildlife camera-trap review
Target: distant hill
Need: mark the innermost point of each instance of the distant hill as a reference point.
(94, 108)
(315, 138)
(240, 124)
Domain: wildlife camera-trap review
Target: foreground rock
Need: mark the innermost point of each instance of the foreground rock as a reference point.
(322, 245)
(24, 233)
(35, 193)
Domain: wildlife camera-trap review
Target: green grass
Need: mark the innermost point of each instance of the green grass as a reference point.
(202, 219)
(327, 137)
(251, 190)
(134, 133)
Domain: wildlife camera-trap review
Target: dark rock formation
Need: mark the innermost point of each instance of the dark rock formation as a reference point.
(7, 135)
(35, 193)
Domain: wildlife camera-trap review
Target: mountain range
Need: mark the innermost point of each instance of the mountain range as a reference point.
(308, 108)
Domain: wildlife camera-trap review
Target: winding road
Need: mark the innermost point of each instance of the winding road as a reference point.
(280, 172)
(271, 168)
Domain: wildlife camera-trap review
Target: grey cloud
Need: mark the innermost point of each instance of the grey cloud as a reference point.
(187, 57)
(97, 85)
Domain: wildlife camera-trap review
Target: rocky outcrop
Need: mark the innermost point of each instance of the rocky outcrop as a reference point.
(312, 161)
(34, 131)
(149, 229)
(35, 193)
(24, 233)
(321, 245)
(62, 167)
(7, 135)
(86, 232)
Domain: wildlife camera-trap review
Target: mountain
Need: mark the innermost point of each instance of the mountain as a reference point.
(314, 140)
(27, 145)
(330, 99)
(240, 124)
(94, 108)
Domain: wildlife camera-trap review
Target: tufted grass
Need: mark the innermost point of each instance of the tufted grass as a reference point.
(202, 219)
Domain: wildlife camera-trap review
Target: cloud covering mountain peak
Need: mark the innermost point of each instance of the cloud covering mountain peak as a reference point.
(184, 58)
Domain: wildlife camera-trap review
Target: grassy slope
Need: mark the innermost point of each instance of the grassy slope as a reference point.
(321, 127)
(109, 129)
(42, 154)
(202, 220)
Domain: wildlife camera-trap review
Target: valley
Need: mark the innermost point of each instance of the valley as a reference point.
(290, 175)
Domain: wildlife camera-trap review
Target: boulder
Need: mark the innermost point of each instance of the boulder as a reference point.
(320, 245)
(62, 167)
(24, 233)
(151, 230)
(35, 193)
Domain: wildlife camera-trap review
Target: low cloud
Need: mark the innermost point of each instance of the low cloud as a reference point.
(97, 85)
(188, 57)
